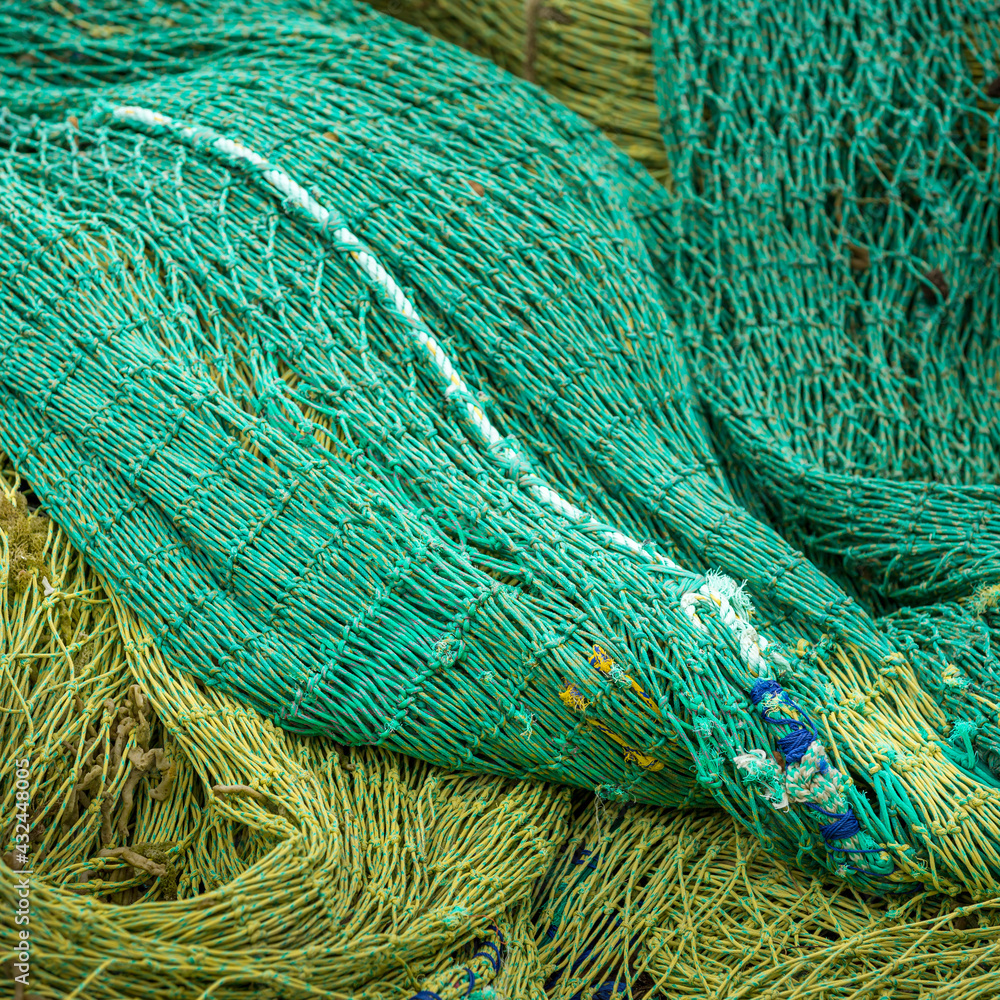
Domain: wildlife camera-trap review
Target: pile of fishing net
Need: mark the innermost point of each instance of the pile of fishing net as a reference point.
(180, 842)
(595, 57)
(410, 457)
(185, 846)
(806, 429)
(830, 259)
(687, 905)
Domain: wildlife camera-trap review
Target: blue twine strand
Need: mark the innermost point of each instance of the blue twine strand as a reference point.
(764, 687)
(795, 744)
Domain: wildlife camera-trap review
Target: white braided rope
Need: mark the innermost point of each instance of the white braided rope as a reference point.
(751, 644)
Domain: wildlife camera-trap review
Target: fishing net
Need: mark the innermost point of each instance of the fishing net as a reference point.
(210, 854)
(182, 845)
(459, 540)
(689, 905)
(956, 650)
(831, 263)
(855, 171)
(595, 57)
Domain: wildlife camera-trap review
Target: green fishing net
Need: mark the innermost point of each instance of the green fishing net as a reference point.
(339, 354)
(838, 259)
(830, 259)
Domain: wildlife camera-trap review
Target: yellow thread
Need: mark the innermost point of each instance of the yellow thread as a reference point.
(605, 664)
(574, 698)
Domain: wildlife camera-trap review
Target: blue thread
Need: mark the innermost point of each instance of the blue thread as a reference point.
(844, 826)
(425, 995)
(498, 949)
(764, 687)
(494, 961)
(794, 745)
(818, 809)
(784, 720)
(501, 947)
(472, 982)
(607, 990)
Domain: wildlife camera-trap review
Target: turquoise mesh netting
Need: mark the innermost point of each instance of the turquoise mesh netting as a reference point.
(213, 384)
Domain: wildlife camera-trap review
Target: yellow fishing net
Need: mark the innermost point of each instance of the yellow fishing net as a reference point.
(596, 57)
(689, 905)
